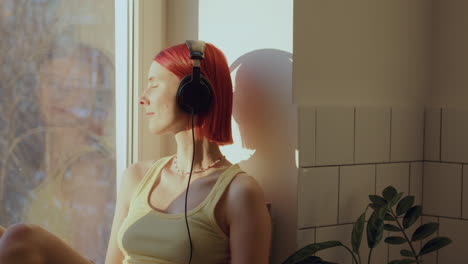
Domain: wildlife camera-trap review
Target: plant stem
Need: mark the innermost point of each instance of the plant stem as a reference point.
(369, 257)
(406, 237)
(350, 251)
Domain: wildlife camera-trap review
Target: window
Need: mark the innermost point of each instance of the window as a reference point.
(57, 119)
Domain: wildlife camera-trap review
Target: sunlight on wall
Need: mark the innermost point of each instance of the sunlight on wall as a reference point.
(257, 40)
(237, 33)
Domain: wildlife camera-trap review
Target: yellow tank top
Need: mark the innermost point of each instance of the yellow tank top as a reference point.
(148, 236)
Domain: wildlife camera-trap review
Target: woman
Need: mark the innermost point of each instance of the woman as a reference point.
(227, 215)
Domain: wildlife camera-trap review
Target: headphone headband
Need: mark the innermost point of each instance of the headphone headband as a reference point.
(196, 48)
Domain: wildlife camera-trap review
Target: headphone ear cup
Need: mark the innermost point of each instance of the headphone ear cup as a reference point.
(194, 96)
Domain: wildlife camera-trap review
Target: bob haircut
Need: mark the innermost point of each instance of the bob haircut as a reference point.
(215, 124)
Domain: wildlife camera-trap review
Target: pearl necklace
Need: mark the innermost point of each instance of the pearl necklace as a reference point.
(198, 171)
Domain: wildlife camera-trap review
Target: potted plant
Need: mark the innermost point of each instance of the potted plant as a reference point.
(383, 210)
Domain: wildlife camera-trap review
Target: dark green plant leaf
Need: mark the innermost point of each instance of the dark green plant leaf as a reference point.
(315, 260)
(404, 205)
(396, 199)
(356, 236)
(402, 261)
(424, 231)
(375, 228)
(412, 215)
(377, 200)
(392, 228)
(406, 253)
(395, 240)
(389, 217)
(389, 193)
(309, 250)
(374, 206)
(434, 244)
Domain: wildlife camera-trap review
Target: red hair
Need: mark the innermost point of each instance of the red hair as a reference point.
(215, 124)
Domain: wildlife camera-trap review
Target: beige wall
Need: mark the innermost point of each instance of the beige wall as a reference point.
(367, 52)
(449, 54)
(390, 74)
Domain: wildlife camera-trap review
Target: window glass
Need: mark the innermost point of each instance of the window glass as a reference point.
(57, 127)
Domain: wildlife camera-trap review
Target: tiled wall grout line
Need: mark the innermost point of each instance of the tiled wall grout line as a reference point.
(393, 162)
(375, 179)
(442, 216)
(409, 179)
(354, 137)
(440, 134)
(424, 134)
(322, 226)
(338, 207)
(315, 139)
(461, 207)
(390, 139)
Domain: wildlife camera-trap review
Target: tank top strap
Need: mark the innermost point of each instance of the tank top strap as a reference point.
(150, 174)
(226, 179)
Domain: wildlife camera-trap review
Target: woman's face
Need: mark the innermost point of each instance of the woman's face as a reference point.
(66, 93)
(159, 98)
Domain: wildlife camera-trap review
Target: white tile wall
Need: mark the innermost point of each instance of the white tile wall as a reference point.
(430, 258)
(335, 135)
(305, 237)
(455, 135)
(318, 196)
(416, 186)
(442, 189)
(306, 136)
(432, 134)
(356, 182)
(407, 131)
(394, 174)
(372, 134)
(341, 233)
(348, 135)
(457, 231)
(465, 191)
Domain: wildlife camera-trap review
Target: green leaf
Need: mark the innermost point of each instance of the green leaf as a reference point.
(315, 260)
(396, 199)
(412, 215)
(389, 217)
(377, 200)
(374, 206)
(309, 250)
(424, 231)
(434, 244)
(356, 236)
(389, 193)
(402, 261)
(395, 240)
(393, 228)
(404, 205)
(406, 253)
(375, 228)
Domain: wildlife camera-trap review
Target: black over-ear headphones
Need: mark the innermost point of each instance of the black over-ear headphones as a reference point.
(195, 94)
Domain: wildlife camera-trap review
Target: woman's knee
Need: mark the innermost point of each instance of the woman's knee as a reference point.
(19, 242)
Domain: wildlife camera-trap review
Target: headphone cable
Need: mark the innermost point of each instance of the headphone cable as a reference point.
(186, 193)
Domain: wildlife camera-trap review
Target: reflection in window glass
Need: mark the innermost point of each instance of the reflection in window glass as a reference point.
(57, 127)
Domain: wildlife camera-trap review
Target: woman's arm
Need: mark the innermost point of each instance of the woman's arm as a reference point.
(249, 222)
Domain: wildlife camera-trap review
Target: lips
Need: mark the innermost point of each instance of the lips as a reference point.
(148, 114)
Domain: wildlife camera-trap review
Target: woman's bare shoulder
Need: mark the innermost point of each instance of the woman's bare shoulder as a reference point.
(136, 171)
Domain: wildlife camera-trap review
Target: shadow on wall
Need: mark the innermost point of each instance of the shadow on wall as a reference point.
(268, 124)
